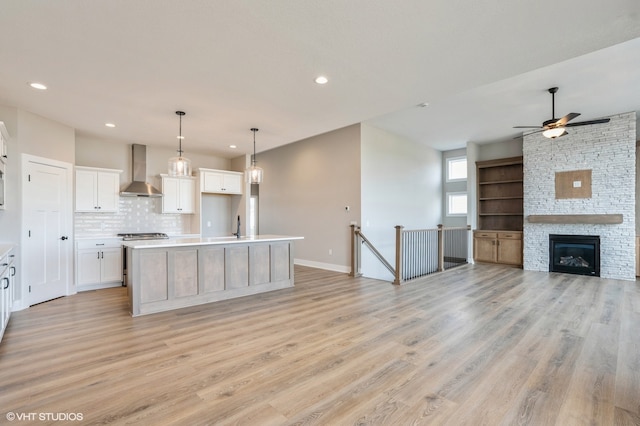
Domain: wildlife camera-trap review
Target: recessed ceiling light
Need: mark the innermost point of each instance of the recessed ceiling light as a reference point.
(109, 124)
(232, 146)
(322, 79)
(38, 86)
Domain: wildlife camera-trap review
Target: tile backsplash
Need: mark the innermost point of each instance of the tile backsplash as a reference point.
(135, 214)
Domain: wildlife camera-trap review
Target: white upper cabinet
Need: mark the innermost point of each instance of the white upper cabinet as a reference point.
(178, 194)
(97, 190)
(4, 140)
(221, 181)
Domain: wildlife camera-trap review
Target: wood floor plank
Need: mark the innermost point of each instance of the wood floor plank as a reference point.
(479, 344)
(590, 396)
(628, 366)
(507, 379)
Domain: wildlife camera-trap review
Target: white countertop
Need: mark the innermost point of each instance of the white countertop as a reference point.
(183, 242)
(115, 237)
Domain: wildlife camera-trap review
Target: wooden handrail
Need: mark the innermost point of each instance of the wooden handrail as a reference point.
(376, 253)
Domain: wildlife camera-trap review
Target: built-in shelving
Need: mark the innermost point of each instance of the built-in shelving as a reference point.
(500, 194)
(498, 238)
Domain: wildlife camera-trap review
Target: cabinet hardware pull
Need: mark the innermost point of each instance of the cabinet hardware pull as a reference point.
(6, 286)
(13, 271)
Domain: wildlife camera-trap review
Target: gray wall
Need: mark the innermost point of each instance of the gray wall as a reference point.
(506, 149)
(401, 185)
(306, 187)
(637, 182)
(472, 185)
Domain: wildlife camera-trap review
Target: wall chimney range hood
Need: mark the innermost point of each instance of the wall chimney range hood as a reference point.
(139, 187)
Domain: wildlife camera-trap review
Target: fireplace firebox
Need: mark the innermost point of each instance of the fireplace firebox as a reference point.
(574, 254)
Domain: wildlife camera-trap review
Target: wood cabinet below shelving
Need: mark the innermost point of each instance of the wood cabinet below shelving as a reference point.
(498, 247)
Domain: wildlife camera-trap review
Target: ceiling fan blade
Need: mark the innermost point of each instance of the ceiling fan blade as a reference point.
(585, 123)
(535, 131)
(563, 121)
(527, 127)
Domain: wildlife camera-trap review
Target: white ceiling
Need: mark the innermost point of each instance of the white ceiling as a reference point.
(483, 67)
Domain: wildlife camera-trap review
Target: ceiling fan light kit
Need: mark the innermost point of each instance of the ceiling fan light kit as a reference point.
(554, 132)
(556, 127)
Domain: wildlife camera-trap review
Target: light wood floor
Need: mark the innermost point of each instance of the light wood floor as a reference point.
(476, 345)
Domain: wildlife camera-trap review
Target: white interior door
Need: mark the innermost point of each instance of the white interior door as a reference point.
(47, 225)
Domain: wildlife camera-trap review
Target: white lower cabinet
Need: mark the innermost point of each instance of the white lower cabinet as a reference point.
(7, 288)
(98, 264)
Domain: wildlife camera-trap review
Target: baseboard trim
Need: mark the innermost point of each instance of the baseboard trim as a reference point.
(322, 265)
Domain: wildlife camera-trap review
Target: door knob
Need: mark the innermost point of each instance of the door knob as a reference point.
(63, 238)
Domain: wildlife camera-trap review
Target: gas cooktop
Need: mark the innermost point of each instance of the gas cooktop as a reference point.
(143, 236)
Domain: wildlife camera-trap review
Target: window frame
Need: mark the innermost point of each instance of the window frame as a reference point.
(448, 197)
(451, 160)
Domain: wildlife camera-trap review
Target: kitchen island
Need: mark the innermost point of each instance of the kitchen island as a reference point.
(176, 273)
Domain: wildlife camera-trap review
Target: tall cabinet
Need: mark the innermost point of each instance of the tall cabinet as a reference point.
(498, 238)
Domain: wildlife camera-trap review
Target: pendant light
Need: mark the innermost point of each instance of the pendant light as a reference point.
(180, 166)
(254, 173)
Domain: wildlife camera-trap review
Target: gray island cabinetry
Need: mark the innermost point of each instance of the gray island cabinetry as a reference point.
(171, 274)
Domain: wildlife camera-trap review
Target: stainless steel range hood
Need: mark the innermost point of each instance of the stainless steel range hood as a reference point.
(139, 187)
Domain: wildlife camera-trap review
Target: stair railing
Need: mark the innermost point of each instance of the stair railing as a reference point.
(417, 252)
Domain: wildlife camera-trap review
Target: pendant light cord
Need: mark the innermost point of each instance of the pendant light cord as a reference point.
(180, 114)
(253, 160)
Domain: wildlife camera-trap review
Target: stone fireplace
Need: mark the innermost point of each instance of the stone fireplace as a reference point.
(607, 152)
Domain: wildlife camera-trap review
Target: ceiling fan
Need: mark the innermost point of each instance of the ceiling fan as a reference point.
(555, 127)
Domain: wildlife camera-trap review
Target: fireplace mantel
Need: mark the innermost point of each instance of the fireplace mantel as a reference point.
(600, 219)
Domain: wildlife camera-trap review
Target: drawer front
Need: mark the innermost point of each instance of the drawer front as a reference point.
(510, 235)
(90, 244)
(481, 234)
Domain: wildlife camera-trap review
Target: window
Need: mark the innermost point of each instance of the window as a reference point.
(456, 169)
(456, 203)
